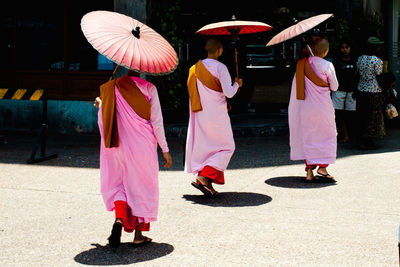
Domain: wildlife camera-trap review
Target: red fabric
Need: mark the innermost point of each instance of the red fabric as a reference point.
(313, 166)
(226, 29)
(215, 175)
(130, 222)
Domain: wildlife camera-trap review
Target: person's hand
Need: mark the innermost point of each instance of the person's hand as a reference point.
(97, 102)
(239, 81)
(168, 160)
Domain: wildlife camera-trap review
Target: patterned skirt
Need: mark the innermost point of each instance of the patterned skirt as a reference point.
(370, 114)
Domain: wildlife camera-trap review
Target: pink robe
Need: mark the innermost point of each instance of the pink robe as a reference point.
(129, 172)
(210, 139)
(312, 121)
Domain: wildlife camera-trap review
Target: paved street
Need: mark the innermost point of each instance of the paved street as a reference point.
(51, 213)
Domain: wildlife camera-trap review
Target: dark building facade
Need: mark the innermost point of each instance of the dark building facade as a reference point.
(42, 46)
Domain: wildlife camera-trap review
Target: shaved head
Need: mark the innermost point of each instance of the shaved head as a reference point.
(212, 45)
(320, 46)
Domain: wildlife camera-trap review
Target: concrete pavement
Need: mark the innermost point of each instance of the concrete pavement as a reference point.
(51, 213)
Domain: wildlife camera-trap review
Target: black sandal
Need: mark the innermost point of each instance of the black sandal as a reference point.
(325, 178)
(202, 188)
(146, 241)
(115, 238)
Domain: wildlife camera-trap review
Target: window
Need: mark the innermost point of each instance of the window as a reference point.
(82, 56)
(45, 35)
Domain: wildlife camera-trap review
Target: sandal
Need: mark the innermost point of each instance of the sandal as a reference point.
(325, 178)
(313, 180)
(203, 188)
(114, 240)
(146, 241)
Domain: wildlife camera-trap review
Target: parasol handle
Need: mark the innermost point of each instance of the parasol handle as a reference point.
(115, 71)
(236, 62)
(309, 49)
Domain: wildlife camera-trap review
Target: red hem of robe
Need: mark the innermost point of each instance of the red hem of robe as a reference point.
(129, 221)
(313, 166)
(215, 175)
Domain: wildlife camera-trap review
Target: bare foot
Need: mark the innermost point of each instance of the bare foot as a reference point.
(207, 184)
(322, 171)
(140, 238)
(310, 175)
(213, 191)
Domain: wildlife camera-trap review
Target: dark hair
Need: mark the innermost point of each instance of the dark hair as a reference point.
(345, 41)
(320, 46)
(372, 49)
(212, 45)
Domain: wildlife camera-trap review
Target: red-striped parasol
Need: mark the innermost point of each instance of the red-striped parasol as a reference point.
(234, 27)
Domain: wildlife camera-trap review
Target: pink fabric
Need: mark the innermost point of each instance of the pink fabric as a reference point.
(129, 172)
(110, 33)
(210, 139)
(298, 28)
(312, 121)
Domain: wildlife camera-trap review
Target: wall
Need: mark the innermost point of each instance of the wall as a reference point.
(63, 116)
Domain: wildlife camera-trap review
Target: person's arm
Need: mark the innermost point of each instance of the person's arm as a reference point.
(332, 79)
(156, 120)
(226, 82)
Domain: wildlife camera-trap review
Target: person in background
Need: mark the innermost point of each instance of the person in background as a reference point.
(369, 97)
(343, 100)
(387, 82)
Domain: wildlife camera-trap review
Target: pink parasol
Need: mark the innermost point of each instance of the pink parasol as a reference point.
(129, 43)
(234, 27)
(298, 28)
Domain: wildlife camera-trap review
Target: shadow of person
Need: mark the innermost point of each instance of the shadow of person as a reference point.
(296, 182)
(124, 254)
(230, 199)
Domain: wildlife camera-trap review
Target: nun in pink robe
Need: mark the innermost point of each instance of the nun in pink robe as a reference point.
(312, 120)
(210, 140)
(129, 172)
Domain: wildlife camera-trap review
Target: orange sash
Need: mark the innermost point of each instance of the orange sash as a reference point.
(132, 95)
(200, 72)
(303, 68)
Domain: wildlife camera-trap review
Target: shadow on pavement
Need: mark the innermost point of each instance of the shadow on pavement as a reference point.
(83, 151)
(296, 182)
(124, 254)
(230, 199)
